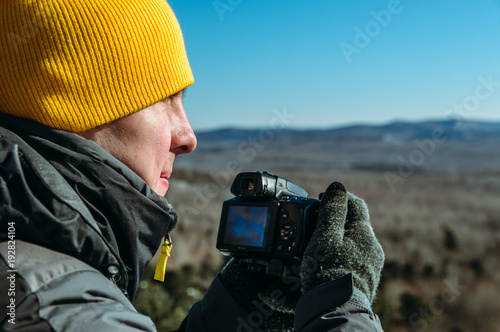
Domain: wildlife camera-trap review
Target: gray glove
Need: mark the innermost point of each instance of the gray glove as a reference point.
(343, 243)
(252, 291)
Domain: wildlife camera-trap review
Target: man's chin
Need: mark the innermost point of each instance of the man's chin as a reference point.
(162, 187)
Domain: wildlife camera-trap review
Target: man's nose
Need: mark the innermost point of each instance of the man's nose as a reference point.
(183, 137)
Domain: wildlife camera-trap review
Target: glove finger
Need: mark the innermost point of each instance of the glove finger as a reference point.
(358, 218)
(357, 210)
(333, 210)
(359, 228)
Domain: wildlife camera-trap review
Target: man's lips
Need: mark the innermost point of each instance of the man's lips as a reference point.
(164, 179)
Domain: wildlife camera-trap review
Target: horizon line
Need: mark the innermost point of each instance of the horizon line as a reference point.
(349, 124)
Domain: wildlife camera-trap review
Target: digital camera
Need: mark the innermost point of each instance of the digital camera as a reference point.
(269, 222)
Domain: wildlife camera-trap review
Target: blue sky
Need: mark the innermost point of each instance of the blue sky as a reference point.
(331, 63)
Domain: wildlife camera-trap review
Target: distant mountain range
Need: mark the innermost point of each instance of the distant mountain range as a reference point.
(425, 146)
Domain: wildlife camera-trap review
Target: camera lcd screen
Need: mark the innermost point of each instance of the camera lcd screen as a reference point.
(247, 225)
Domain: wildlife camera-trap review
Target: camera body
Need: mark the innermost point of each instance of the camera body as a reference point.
(270, 219)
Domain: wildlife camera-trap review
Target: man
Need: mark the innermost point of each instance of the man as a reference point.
(92, 120)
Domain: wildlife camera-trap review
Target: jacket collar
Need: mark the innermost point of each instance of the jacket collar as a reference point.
(70, 195)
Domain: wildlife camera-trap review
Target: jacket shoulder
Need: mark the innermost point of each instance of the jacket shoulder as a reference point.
(61, 293)
(39, 266)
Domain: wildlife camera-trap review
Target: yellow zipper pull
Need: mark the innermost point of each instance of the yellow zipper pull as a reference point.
(162, 261)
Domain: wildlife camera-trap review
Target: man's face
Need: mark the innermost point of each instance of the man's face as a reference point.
(149, 140)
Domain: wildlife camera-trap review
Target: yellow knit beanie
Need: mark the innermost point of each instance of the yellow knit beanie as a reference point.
(77, 64)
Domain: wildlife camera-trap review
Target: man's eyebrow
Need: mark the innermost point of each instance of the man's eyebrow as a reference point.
(183, 91)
